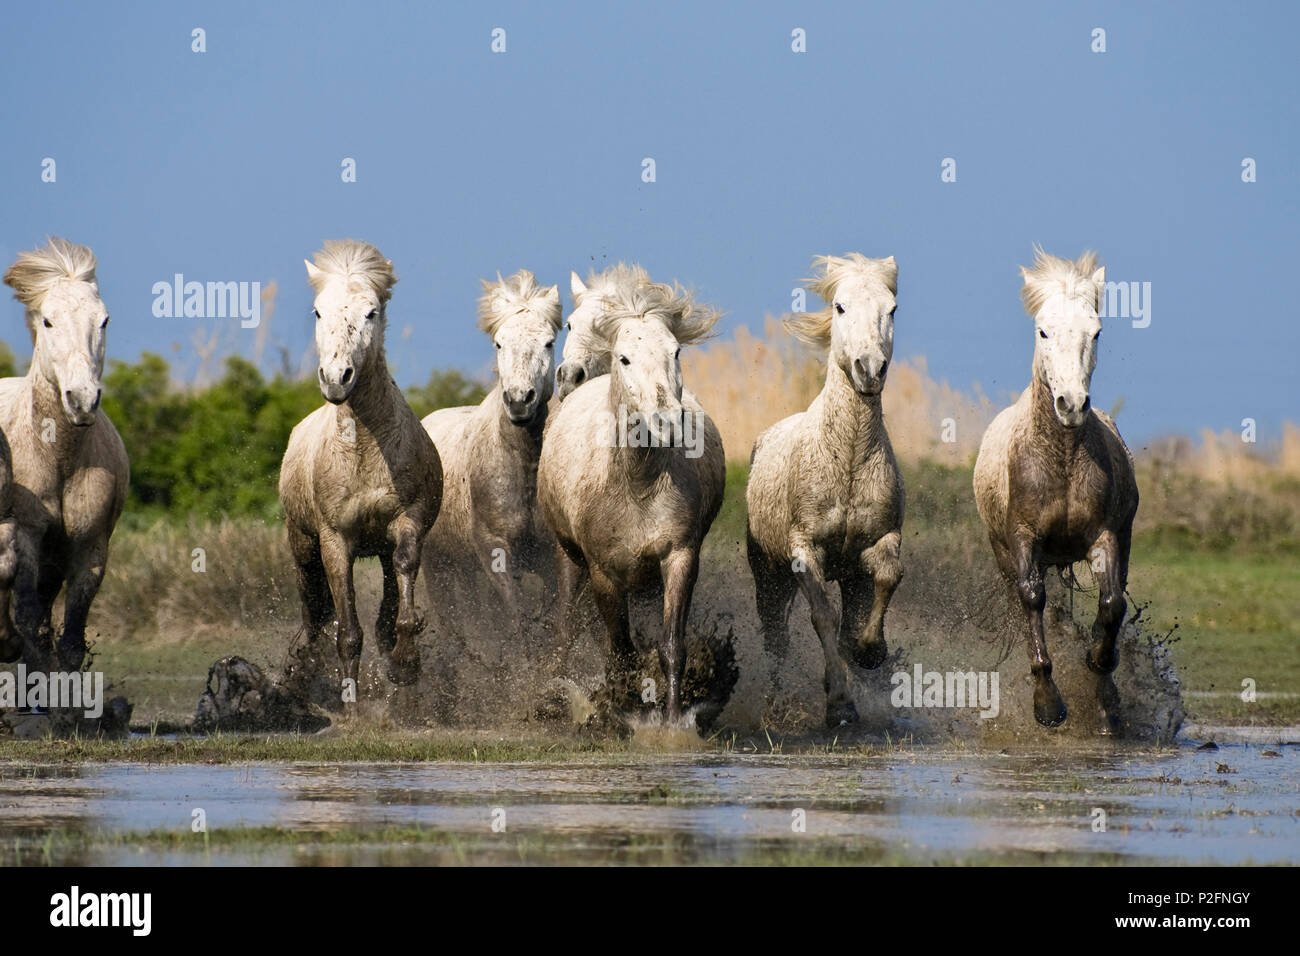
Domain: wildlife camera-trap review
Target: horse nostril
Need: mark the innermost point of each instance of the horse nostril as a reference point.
(883, 367)
(347, 376)
(532, 393)
(320, 374)
(1061, 407)
(859, 368)
(579, 376)
(1087, 404)
(99, 393)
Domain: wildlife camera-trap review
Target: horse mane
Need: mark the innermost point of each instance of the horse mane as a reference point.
(515, 294)
(358, 262)
(619, 275)
(1051, 273)
(814, 328)
(35, 272)
(674, 306)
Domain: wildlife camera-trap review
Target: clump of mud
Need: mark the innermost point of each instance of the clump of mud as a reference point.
(240, 697)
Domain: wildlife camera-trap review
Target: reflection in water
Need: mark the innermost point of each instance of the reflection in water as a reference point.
(919, 805)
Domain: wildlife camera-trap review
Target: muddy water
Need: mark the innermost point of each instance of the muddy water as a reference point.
(927, 804)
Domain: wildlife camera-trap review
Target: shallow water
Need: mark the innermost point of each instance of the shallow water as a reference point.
(918, 805)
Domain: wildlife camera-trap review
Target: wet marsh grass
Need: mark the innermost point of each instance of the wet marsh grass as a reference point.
(431, 846)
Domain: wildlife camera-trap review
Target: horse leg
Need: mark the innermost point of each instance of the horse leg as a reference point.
(886, 569)
(570, 575)
(336, 557)
(812, 582)
(313, 589)
(404, 661)
(1111, 606)
(386, 620)
(1049, 708)
(1109, 557)
(29, 612)
(85, 572)
(11, 648)
(774, 588)
(621, 657)
(679, 571)
(506, 582)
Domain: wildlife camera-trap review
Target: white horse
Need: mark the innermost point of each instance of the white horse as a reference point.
(586, 356)
(825, 497)
(489, 519)
(360, 477)
(70, 468)
(630, 479)
(1054, 482)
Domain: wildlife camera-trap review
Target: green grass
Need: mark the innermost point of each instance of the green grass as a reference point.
(386, 746)
(1237, 616)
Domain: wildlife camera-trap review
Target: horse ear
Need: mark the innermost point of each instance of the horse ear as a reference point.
(553, 293)
(314, 274)
(576, 285)
(1099, 277)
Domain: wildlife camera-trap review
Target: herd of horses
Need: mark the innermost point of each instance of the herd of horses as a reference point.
(535, 480)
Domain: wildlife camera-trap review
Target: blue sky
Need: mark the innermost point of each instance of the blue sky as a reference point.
(225, 166)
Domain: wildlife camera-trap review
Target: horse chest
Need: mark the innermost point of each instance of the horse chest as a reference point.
(849, 520)
(1072, 513)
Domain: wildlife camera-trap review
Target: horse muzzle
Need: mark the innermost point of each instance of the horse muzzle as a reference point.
(568, 377)
(336, 386)
(81, 406)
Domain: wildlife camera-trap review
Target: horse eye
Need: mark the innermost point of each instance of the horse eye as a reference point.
(624, 359)
(839, 308)
(1097, 336)
(104, 324)
(370, 315)
(568, 326)
(316, 312)
(48, 324)
(1042, 334)
(677, 354)
(551, 344)
(498, 345)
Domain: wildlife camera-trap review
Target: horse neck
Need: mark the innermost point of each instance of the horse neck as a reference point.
(851, 422)
(524, 442)
(374, 399)
(1045, 426)
(47, 405)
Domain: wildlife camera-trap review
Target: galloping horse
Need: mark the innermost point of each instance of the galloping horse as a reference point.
(1054, 482)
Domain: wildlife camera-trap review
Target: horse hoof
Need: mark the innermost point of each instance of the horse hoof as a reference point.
(1049, 708)
(870, 655)
(1108, 697)
(1100, 669)
(841, 712)
(403, 672)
